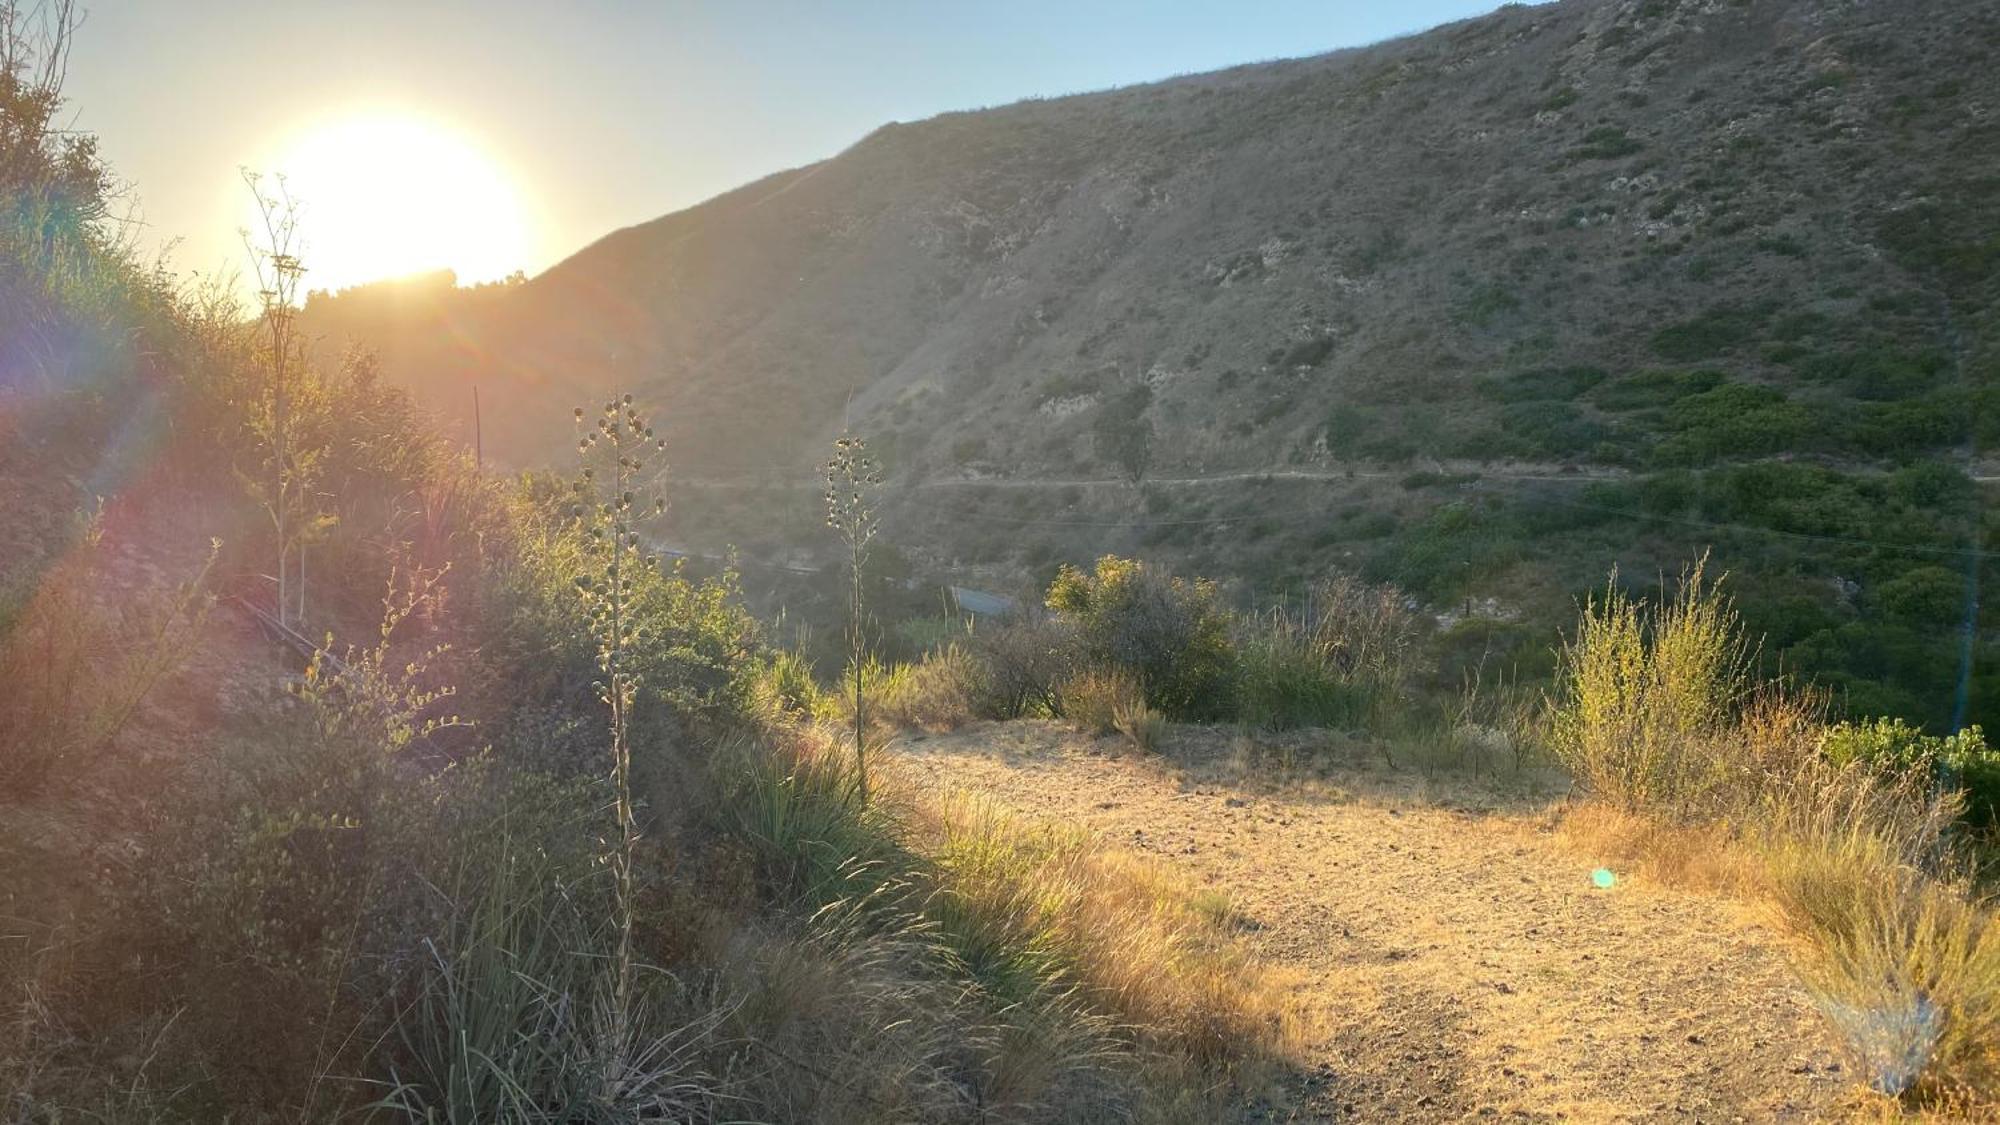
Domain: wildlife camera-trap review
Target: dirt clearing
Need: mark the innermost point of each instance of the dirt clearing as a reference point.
(1457, 960)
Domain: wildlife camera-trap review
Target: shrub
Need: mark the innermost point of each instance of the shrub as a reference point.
(74, 668)
(1734, 419)
(787, 688)
(1654, 388)
(1714, 332)
(702, 660)
(1545, 384)
(1644, 689)
(1342, 658)
(1022, 666)
(1606, 142)
(1962, 761)
(1170, 633)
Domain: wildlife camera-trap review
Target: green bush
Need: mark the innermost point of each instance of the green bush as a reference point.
(1962, 760)
(1648, 389)
(1714, 332)
(1928, 595)
(1606, 142)
(1902, 429)
(701, 660)
(1173, 634)
(1551, 429)
(1543, 384)
(1732, 420)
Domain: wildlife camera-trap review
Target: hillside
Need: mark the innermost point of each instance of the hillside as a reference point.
(1600, 282)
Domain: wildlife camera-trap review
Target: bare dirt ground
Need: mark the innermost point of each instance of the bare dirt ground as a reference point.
(1457, 961)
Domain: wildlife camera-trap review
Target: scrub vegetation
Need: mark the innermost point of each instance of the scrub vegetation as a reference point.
(487, 807)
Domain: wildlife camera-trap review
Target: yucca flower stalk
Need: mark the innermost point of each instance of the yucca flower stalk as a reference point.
(608, 508)
(851, 478)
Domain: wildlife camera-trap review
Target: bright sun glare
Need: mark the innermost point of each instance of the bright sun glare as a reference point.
(388, 194)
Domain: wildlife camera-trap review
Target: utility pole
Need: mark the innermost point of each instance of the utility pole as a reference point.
(478, 434)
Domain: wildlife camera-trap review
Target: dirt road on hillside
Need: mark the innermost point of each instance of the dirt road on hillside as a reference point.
(1460, 963)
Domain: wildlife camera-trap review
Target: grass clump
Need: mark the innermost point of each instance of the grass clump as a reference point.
(1095, 697)
(1341, 658)
(939, 692)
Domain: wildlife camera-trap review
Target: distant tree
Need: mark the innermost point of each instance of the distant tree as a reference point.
(851, 479)
(1123, 435)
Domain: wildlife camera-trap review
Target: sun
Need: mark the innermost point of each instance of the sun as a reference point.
(385, 194)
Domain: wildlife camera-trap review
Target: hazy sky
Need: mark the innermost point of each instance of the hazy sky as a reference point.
(606, 114)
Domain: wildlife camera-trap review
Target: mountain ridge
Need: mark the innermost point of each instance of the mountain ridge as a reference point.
(933, 260)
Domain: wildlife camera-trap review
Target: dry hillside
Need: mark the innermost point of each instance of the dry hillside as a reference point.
(1370, 232)
(1507, 303)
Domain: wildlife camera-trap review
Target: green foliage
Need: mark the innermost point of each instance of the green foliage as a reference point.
(1544, 384)
(1443, 553)
(1877, 374)
(1648, 389)
(1551, 429)
(1486, 303)
(1714, 332)
(1732, 420)
(1962, 760)
(1173, 634)
(786, 685)
(1606, 142)
(1900, 430)
(1643, 691)
(701, 660)
(1926, 595)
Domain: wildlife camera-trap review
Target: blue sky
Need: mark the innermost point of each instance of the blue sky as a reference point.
(606, 114)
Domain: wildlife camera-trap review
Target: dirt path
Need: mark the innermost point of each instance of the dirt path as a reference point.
(1460, 963)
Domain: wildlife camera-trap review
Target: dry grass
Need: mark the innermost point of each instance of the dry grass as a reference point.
(1132, 937)
(1093, 698)
(1099, 986)
(1703, 776)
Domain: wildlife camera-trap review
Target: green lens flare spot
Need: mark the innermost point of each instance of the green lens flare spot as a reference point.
(1603, 879)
